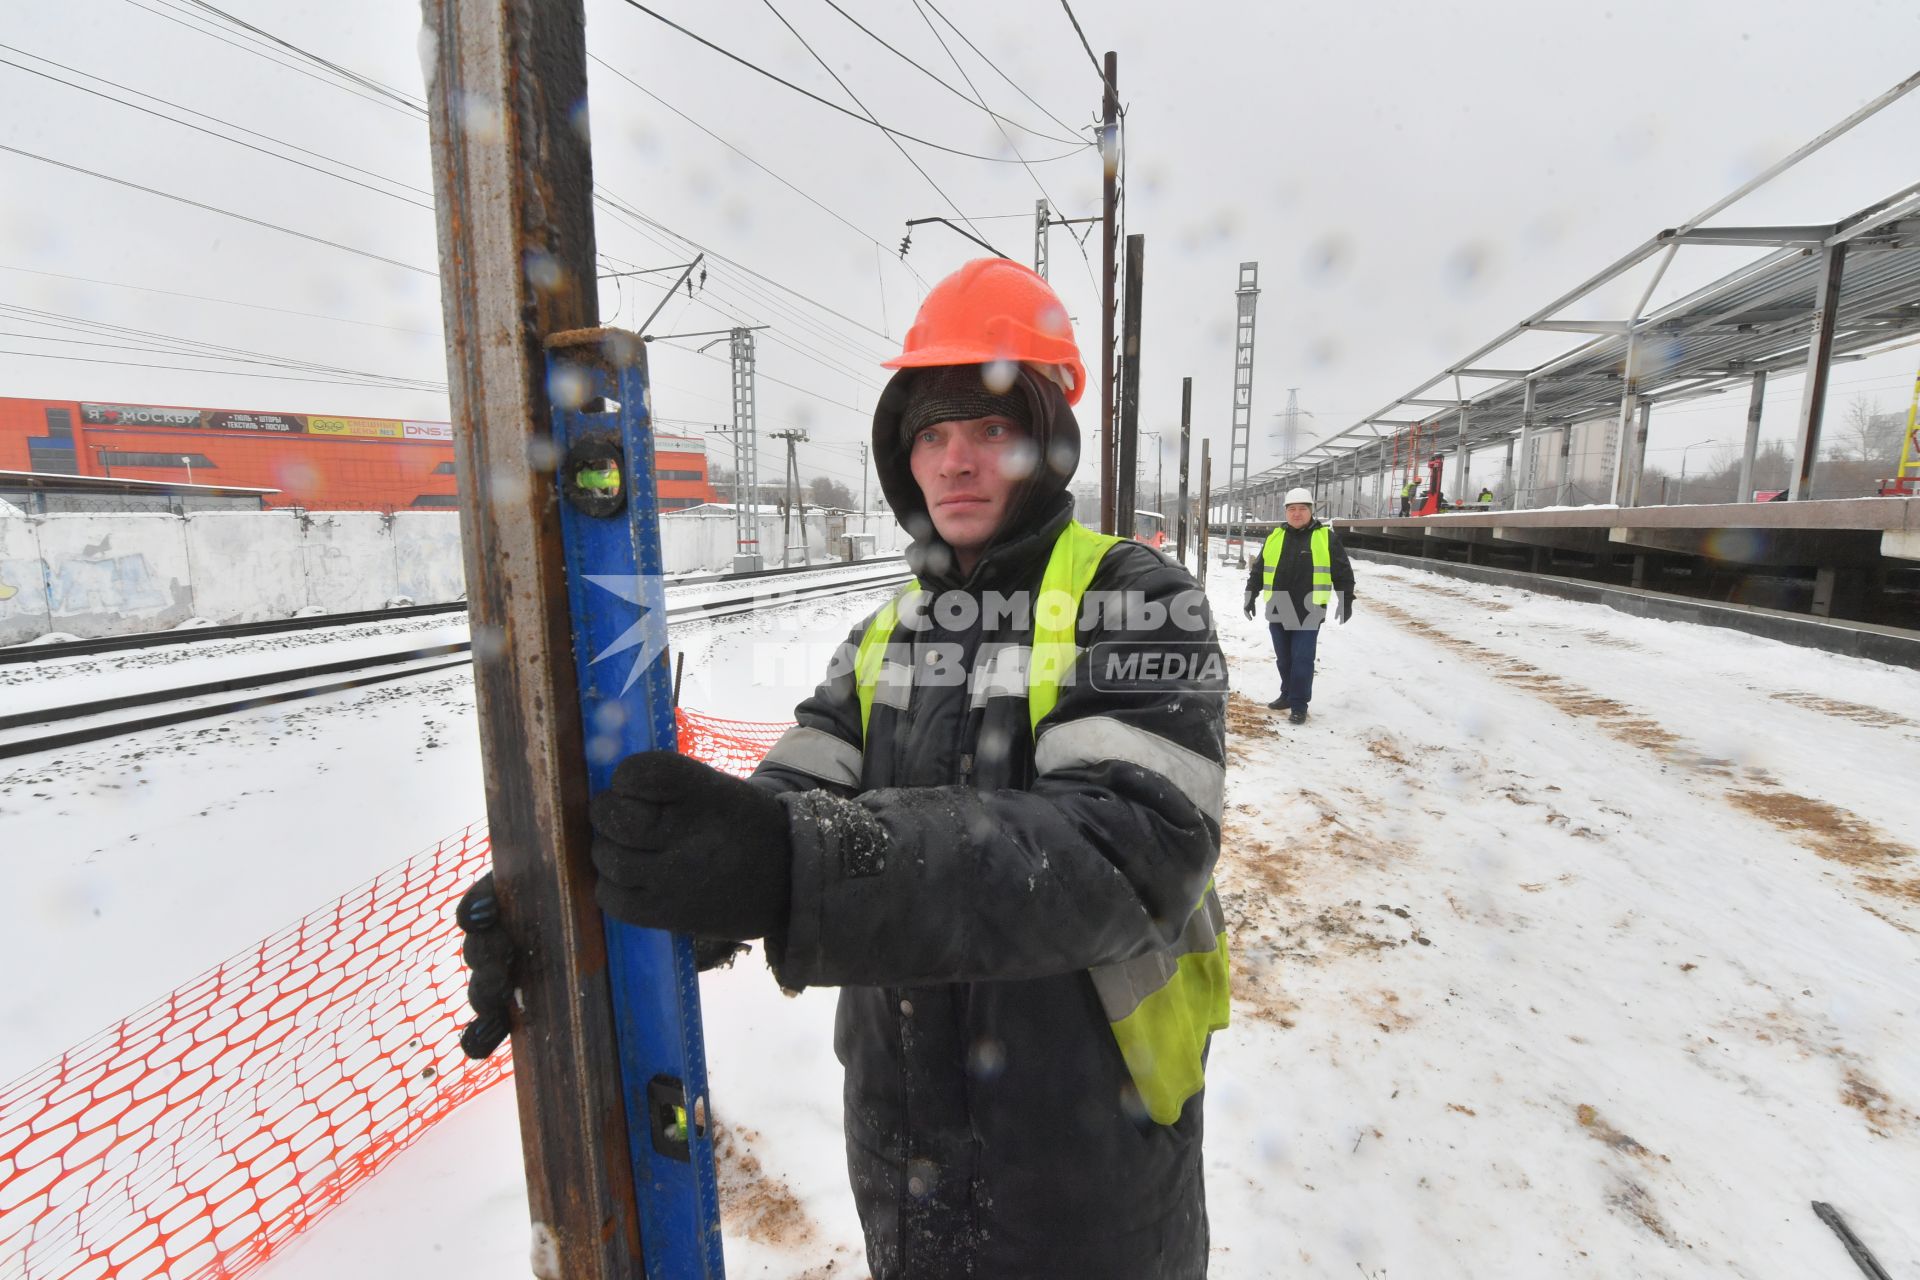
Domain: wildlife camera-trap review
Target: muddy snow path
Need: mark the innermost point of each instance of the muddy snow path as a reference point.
(1566, 943)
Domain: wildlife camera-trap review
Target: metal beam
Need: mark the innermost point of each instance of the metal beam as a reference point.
(1579, 326)
(1773, 237)
(513, 188)
(1438, 404)
(1754, 402)
(1505, 375)
(1813, 393)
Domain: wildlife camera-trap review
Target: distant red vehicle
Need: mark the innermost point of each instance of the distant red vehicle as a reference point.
(319, 462)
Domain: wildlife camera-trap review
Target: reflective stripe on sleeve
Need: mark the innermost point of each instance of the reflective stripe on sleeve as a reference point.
(1123, 986)
(1090, 740)
(818, 754)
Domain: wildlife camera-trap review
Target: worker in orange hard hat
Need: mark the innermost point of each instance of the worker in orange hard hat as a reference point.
(994, 828)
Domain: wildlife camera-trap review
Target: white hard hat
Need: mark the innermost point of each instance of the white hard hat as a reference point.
(1299, 495)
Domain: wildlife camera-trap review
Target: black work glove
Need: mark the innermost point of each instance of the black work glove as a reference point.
(1247, 604)
(683, 847)
(488, 953)
(1346, 606)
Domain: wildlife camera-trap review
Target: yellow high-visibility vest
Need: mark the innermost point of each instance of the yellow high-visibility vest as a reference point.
(1322, 563)
(1162, 1006)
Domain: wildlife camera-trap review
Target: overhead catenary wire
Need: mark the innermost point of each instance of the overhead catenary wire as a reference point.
(748, 274)
(604, 197)
(1098, 70)
(997, 71)
(974, 101)
(215, 209)
(189, 346)
(827, 102)
(356, 77)
(219, 120)
(828, 68)
(824, 208)
(177, 19)
(225, 302)
(975, 89)
(238, 142)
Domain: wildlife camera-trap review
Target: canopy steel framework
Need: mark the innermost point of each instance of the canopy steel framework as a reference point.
(1825, 292)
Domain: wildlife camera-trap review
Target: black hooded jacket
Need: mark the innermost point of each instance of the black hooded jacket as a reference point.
(956, 881)
(1291, 605)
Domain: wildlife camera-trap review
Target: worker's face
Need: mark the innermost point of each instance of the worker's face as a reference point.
(968, 471)
(1298, 513)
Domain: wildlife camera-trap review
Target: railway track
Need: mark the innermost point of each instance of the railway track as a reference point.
(19, 653)
(25, 733)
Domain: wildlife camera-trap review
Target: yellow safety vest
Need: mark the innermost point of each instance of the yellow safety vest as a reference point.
(1322, 563)
(1163, 1034)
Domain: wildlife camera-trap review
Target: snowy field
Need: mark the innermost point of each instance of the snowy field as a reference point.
(1566, 943)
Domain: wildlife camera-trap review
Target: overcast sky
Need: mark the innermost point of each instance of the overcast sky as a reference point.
(1411, 177)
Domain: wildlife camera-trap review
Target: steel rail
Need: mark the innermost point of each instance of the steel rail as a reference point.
(724, 608)
(30, 652)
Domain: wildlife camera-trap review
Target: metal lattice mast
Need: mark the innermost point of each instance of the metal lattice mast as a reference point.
(1244, 298)
(746, 443)
(1040, 216)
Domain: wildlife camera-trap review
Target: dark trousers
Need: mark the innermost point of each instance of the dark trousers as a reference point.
(1406, 504)
(1293, 653)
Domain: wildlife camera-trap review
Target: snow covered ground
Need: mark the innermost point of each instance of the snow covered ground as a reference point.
(1566, 943)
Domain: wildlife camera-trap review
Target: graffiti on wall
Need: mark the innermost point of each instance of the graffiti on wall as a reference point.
(106, 584)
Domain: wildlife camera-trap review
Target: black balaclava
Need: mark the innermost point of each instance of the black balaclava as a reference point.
(917, 398)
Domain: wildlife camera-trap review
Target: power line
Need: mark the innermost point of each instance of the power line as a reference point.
(187, 124)
(227, 302)
(195, 346)
(866, 119)
(828, 67)
(1045, 194)
(1098, 70)
(609, 200)
(369, 82)
(851, 226)
(997, 71)
(225, 213)
(181, 368)
(602, 195)
(258, 53)
(973, 102)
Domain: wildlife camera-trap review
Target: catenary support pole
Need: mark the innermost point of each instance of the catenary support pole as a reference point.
(1206, 513)
(513, 192)
(1126, 496)
(1755, 401)
(1186, 444)
(1109, 229)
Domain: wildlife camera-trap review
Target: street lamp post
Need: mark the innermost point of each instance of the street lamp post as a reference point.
(189, 461)
(1681, 495)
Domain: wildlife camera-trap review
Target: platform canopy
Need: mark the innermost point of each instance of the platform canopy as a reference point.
(1812, 295)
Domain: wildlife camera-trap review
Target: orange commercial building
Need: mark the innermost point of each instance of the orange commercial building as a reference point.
(319, 462)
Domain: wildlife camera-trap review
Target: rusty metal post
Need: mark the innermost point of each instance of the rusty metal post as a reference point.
(512, 184)
(1206, 516)
(1109, 229)
(1186, 444)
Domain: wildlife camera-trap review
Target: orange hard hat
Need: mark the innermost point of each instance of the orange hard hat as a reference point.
(994, 309)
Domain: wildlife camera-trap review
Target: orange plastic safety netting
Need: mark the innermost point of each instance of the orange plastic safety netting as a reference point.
(193, 1139)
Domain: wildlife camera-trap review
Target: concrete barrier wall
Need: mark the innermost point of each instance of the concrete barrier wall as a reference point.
(249, 566)
(99, 575)
(105, 576)
(350, 561)
(23, 587)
